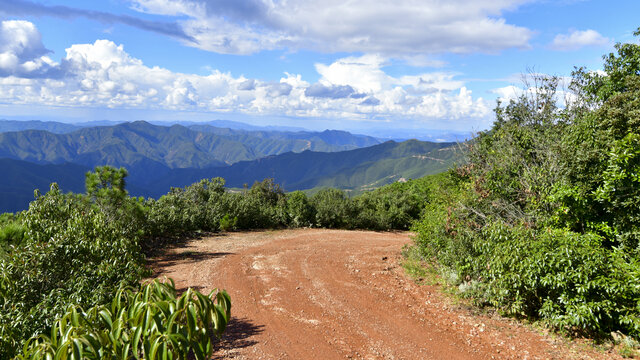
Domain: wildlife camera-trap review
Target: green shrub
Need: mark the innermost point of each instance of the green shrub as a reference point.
(333, 209)
(567, 279)
(11, 234)
(227, 223)
(199, 206)
(388, 208)
(73, 255)
(543, 220)
(153, 323)
(300, 212)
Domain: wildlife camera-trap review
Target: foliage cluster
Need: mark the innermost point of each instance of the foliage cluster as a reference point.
(544, 220)
(152, 323)
(73, 252)
(208, 206)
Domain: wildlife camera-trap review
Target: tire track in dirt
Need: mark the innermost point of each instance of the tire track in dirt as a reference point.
(331, 294)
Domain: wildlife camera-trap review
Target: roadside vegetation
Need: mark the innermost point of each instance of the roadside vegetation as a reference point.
(70, 252)
(543, 220)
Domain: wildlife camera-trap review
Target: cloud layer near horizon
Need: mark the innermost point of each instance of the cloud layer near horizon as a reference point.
(102, 74)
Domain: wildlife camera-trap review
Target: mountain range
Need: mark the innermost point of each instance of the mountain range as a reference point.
(161, 157)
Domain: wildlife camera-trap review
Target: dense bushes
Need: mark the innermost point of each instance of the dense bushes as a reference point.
(152, 323)
(12, 232)
(73, 254)
(543, 221)
(207, 206)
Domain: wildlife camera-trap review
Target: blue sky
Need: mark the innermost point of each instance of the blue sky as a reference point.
(362, 65)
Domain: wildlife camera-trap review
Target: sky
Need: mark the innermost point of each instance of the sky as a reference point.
(360, 65)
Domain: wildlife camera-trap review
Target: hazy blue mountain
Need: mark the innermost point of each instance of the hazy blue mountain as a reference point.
(158, 148)
(21, 178)
(236, 125)
(125, 144)
(359, 170)
(277, 142)
(50, 126)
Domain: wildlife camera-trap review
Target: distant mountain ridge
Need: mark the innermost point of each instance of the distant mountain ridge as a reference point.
(156, 149)
(161, 157)
(50, 126)
(353, 169)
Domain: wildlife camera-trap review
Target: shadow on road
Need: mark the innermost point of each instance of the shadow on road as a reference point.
(160, 264)
(237, 336)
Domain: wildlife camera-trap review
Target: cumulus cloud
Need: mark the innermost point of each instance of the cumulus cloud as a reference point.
(103, 74)
(248, 84)
(25, 8)
(403, 28)
(22, 52)
(577, 39)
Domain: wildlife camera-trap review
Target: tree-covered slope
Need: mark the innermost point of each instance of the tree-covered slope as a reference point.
(157, 148)
(125, 144)
(360, 168)
(277, 142)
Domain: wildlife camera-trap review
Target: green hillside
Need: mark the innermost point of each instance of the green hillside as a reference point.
(277, 142)
(160, 157)
(156, 148)
(359, 169)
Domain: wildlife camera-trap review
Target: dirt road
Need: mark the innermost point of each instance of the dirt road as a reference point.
(328, 294)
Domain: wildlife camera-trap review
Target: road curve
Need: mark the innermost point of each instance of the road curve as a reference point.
(331, 294)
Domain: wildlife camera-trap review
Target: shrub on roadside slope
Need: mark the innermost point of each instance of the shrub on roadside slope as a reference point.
(542, 221)
(73, 255)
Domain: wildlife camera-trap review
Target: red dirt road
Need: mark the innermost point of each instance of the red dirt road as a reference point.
(329, 294)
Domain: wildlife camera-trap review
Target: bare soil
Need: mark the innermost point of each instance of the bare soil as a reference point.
(330, 294)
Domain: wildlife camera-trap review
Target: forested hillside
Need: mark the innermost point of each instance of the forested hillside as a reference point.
(358, 170)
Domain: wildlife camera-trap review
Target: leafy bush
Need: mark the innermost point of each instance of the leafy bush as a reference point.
(227, 223)
(260, 207)
(12, 233)
(199, 206)
(391, 207)
(543, 220)
(300, 212)
(153, 323)
(567, 279)
(73, 254)
(333, 209)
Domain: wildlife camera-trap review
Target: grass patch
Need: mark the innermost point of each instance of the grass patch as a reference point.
(421, 272)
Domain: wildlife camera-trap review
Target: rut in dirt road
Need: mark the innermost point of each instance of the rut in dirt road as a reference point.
(329, 294)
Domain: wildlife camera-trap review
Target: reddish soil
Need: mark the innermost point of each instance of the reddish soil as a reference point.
(328, 294)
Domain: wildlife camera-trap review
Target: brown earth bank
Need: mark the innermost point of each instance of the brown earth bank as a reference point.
(331, 294)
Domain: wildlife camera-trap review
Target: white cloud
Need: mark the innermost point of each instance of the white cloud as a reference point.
(403, 28)
(577, 39)
(103, 74)
(21, 50)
